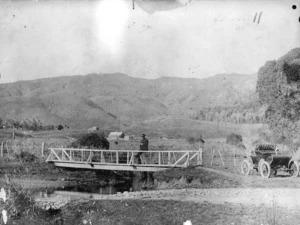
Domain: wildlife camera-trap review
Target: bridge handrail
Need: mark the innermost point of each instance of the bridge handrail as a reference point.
(131, 150)
(169, 158)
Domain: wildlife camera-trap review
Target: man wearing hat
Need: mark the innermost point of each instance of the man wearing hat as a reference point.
(143, 147)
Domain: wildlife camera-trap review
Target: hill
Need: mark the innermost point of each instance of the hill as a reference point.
(107, 99)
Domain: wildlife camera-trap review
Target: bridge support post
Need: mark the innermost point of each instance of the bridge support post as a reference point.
(159, 159)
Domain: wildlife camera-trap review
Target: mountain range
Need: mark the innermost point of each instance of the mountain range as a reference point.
(106, 99)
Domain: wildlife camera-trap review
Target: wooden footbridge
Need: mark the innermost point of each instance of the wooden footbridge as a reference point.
(125, 160)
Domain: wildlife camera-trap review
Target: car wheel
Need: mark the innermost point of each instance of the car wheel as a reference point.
(265, 169)
(245, 167)
(294, 169)
(259, 164)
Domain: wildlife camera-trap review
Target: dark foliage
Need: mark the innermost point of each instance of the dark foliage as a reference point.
(192, 140)
(25, 157)
(22, 208)
(92, 140)
(234, 139)
(35, 124)
(232, 114)
(278, 87)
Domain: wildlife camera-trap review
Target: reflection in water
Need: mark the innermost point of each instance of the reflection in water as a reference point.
(140, 181)
(95, 189)
(81, 191)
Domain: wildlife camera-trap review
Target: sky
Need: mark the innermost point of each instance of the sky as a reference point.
(177, 38)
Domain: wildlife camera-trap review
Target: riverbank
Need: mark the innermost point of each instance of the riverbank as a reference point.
(171, 212)
(202, 195)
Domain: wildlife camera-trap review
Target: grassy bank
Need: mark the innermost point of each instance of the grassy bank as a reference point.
(163, 212)
(21, 209)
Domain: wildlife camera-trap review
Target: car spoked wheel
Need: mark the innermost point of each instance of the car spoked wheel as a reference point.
(245, 167)
(265, 169)
(259, 165)
(294, 169)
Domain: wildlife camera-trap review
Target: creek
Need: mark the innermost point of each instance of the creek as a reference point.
(83, 189)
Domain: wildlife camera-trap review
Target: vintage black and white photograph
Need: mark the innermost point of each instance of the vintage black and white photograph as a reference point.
(149, 112)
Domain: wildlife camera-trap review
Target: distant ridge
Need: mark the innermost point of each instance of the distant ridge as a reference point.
(106, 99)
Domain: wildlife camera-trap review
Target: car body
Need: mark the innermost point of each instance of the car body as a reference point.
(266, 161)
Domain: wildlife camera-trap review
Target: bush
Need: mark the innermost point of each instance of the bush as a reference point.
(234, 139)
(25, 157)
(22, 208)
(192, 140)
(92, 140)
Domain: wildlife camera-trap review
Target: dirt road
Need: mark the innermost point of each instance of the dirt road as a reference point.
(202, 206)
(258, 196)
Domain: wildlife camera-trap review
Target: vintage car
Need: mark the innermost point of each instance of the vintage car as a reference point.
(266, 161)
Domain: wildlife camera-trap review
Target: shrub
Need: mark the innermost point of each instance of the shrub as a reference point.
(22, 209)
(92, 140)
(192, 140)
(234, 139)
(25, 157)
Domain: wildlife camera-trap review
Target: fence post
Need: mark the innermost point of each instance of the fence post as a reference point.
(200, 156)
(7, 148)
(234, 157)
(32, 146)
(213, 155)
(221, 157)
(43, 148)
(1, 153)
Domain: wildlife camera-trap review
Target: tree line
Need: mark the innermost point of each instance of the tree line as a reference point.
(34, 124)
(234, 114)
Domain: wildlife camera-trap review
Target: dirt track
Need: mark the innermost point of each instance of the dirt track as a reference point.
(258, 196)
(202, 206)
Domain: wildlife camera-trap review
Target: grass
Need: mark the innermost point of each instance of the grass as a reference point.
(164, 212)
(22, 209)
(192, 177)
(184, 128)
(31, 145)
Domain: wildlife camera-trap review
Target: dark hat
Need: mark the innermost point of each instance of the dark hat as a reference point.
(143, 135)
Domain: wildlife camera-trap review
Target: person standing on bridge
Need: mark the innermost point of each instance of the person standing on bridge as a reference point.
(143, 147)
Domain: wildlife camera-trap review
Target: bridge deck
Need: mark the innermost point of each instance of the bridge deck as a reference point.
(125, 160)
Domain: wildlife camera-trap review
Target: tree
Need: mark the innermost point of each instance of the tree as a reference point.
(60, 127)
(92, 140)
(278, 88)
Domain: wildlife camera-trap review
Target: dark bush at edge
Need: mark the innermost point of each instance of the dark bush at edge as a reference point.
(234, 139)
(92, 140)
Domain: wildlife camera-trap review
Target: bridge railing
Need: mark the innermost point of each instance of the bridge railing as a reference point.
(182, 158)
